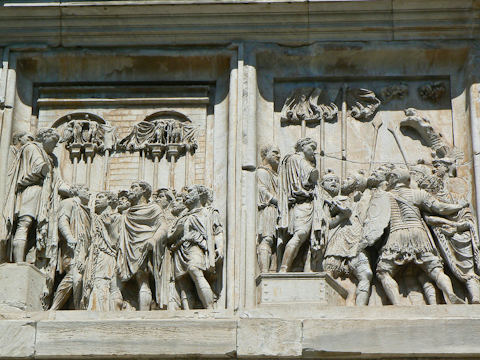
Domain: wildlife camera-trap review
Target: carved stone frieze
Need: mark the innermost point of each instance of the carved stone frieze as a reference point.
(432, 91)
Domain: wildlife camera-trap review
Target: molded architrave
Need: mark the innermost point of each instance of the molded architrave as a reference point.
(157, 22)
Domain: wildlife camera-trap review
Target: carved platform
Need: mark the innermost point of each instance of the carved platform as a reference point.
(20, 287)
(312, 288)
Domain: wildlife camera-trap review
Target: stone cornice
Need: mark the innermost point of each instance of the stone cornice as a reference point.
(187, 22)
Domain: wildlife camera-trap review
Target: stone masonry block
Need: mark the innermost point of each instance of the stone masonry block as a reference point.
(269, 337)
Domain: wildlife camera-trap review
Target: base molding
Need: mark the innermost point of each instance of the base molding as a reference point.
(330, 331)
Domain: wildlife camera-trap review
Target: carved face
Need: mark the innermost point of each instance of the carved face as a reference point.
(50, 143)
(376, 178)
(191, 197)
(273, 156)
(349, 184)
(101, 202)
(25, 139)
(309, 151)
(331, 184)
(440, 169)
(162, 200)
(135, 193)
(84, 195)
(123, 204)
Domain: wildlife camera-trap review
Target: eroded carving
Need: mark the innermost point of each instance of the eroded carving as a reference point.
(74, 244)
(308, 104)
(362, 103)
(432, 91)
(410, 241)
(34, 185)
(162, 132)
(394, 92)
(433, 137)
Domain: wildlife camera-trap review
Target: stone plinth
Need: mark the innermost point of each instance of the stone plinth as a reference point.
(312, 288)
(21, 286)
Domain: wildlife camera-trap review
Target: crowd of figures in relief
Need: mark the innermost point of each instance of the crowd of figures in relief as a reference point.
(369, 225)
(396, 215)
(135, 249)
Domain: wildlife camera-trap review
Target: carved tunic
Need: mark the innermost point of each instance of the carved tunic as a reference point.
(344, 238)
(267, 212)
(102, 264)
(408, 236)
(78, 217)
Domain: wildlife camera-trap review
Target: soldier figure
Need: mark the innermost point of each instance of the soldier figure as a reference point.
(409, 240)
(344, 253)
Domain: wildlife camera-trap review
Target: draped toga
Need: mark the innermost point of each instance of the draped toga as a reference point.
(136, 238)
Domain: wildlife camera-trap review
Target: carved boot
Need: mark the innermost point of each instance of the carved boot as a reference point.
(473, 287)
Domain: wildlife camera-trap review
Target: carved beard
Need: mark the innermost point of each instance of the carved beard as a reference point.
(333, 191)
(190, 200)
(178, 208)
(373, 181)
(134, 198)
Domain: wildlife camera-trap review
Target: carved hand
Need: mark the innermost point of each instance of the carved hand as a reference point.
(72, 242)
(448, 230)
(462, 225)
(219, 253)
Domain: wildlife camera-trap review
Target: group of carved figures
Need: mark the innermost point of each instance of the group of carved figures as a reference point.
(381, 223)
(109, 251)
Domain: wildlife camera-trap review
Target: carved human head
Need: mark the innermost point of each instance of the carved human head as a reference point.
(179, 205)
(192, 196)
(104, 199)
(163, 197)
(81, 191)
(206, 195)
(331, 183)
(378, 176)
(398, 176)
(139, 189)
(270, 155)
(444, 167)
(20, 138)
(354, 181)
(49, 138)
(123, 202)
(432, 183)
(308, 146)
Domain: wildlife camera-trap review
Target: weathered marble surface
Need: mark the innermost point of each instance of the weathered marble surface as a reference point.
(226, 69)
(436, 331)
